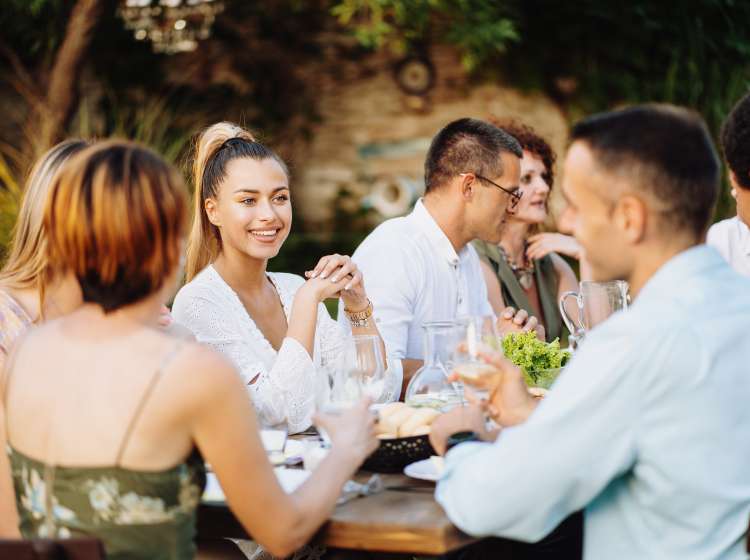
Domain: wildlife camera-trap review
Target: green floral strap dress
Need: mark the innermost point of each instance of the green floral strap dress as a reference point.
(148, 515)
(136, 514)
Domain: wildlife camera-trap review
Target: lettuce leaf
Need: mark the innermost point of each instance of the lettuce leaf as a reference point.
(534, 356)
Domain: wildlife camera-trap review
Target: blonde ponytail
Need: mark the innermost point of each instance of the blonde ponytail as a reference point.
(204, 242)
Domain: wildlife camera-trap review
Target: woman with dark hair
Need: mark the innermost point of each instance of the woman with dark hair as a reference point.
(524, 270)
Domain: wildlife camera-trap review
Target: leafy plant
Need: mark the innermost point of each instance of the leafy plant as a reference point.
(10, 199)
(479, 28)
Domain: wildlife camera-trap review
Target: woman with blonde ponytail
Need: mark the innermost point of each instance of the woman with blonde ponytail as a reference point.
(273, 326)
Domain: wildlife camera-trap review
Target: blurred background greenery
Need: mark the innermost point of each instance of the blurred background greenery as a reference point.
(74, 69)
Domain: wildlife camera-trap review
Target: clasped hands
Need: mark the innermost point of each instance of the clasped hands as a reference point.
(338, 276)
(509, 402)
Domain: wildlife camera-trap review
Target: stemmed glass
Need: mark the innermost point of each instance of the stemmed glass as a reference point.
(358, 371)
(367, 365)
(475, 332)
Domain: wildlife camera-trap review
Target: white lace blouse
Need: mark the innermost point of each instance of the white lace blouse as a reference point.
(288, 381)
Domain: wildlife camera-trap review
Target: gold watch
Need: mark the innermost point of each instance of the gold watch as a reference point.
(359, 319)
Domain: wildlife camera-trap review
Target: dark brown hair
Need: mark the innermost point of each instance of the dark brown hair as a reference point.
(662, 150)
(467, 146)
(735, 141)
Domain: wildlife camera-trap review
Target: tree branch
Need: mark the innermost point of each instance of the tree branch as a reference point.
(62, 93)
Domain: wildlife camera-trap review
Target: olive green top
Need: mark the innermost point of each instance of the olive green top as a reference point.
(138, 515)
(149, 515)
(547, 282)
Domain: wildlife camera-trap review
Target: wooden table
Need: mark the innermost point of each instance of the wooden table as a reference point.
(407, 522)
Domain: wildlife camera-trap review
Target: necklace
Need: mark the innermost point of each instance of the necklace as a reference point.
(525, 272)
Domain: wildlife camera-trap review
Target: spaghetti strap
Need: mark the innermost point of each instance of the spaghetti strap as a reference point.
(144, 399)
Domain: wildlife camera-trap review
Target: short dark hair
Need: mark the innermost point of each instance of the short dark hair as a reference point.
(467, 146)
(666, 151)
(531, 142)
(735, 141)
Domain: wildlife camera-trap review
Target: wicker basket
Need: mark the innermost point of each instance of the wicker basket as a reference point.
(394, 454)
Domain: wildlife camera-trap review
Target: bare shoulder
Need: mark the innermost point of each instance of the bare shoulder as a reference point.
(203, 369)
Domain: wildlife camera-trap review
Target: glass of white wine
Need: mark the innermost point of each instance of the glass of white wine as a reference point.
(475, 332)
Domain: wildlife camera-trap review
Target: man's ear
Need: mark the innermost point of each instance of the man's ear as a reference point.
(212, 211)
(468, 184)
(631, 216)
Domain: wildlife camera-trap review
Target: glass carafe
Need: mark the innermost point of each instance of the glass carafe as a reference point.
(429, 386)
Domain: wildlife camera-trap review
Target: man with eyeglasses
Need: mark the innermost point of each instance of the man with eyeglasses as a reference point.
(420, 267)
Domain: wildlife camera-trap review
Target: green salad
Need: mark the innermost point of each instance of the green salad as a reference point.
(535, 357)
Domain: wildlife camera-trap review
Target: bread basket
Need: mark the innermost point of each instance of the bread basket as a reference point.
(395, 453)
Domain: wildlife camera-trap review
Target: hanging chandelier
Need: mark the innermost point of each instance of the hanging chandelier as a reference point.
(172, 26)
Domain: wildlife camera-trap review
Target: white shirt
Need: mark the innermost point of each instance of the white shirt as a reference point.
(413, 275)
(288, 381)
(732, 239)
(648, 428)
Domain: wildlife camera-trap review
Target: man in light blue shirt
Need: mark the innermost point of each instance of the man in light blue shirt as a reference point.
(648, 428)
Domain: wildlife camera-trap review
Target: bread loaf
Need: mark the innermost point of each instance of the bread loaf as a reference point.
(401, 420)
(421, 417)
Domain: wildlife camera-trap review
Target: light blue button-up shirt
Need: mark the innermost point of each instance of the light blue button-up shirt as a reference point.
(648, 428)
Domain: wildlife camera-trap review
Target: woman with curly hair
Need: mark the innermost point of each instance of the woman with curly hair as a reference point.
(525, 270)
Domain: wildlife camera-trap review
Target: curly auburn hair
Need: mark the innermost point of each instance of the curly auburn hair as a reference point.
(531, 142)
(735, 141)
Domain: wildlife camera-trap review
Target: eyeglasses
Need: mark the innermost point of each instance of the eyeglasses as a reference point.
(515, 196)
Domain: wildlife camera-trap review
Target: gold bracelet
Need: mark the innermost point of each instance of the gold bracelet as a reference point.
(359, 318)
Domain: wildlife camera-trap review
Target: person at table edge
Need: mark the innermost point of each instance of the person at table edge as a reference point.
(647, 428)
(731, 237)
(421, 267)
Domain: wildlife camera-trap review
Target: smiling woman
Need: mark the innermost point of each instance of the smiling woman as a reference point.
(525, 271)
(273, 326)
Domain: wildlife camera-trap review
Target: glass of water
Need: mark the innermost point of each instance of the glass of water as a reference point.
(355, 372)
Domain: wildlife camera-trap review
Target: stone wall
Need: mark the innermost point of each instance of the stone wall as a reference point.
(372, 137)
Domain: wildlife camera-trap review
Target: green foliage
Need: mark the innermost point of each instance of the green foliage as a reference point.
(10, 198)
(588, 55)
(479, 28)
(693, 54)
(155, 121)
(34, 27)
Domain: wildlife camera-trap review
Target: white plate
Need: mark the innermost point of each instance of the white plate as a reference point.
(295, 449)
(289, 479)
(427, 469)
(273, 439)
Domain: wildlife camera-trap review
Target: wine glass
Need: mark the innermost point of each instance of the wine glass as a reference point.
(367, 365)
(475, 332)
(357, 371)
